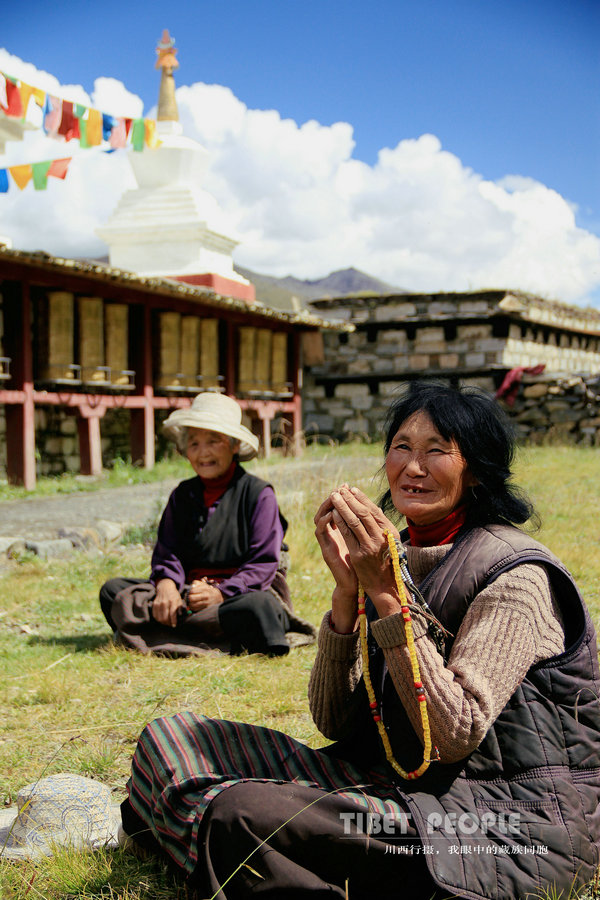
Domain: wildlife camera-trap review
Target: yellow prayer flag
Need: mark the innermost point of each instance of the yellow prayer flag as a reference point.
(150, 136)
(25, 90)
(94, 128)
(39, 96)
(21, 174)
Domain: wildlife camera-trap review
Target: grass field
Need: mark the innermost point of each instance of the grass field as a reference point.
(73, 702)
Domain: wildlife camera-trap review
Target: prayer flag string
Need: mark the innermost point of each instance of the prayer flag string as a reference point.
(66, 121)
(37, 172)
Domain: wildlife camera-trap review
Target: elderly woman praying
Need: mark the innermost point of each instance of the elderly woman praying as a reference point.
(457, 677)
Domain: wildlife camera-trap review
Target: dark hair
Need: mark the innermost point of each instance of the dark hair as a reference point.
(485, 438)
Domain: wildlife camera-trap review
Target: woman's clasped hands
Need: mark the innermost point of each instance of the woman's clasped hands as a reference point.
(350, 530)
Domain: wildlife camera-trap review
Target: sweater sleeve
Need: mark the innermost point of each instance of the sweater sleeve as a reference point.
(512, 624)
(165, 560)
(336, 692)
(258, 569)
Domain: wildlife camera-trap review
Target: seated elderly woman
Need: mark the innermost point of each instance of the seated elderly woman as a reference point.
(457, 674)
(217, 580)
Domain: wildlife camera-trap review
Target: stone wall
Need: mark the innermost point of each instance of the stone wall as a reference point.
(561, 408)
(460, 338)
(557, 408)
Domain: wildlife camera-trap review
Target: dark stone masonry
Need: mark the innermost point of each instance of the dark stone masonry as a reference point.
(468, 338)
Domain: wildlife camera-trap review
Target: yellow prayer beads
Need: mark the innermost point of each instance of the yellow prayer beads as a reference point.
(414, 662)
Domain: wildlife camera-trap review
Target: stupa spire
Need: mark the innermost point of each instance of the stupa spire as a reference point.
(167, 63)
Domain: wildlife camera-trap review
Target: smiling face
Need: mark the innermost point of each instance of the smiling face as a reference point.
(427, 474)
(209, 452)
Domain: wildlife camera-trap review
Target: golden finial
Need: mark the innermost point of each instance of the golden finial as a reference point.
(167, 52)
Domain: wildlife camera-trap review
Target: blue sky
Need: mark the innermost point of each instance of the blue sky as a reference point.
(508, 88)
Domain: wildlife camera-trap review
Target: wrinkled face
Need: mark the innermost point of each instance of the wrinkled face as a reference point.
(209, 452)
(428, 475)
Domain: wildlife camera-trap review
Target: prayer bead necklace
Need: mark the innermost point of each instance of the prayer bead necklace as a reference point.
(414, 662)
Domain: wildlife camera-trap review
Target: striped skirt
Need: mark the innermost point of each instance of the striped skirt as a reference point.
(183, 762)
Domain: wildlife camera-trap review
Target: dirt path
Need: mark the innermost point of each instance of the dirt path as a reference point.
(41, 517)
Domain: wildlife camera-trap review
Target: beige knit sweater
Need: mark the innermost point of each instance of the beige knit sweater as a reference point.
(512, 624)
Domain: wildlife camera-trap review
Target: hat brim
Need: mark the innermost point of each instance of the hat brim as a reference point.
(180, 419)
(10, 848)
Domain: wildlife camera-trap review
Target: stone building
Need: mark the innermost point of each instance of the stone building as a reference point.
(472, 338)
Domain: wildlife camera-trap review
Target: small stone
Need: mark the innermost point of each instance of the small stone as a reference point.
(82, 538)
(109, 531)
(51, 549)
(16, 548)
(7, 542)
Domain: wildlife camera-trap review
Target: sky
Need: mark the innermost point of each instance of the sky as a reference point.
(439, 145)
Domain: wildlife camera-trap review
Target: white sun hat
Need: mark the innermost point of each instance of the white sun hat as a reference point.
(59, 811)
(215, 412)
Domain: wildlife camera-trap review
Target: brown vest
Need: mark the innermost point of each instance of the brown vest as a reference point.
(529, 795)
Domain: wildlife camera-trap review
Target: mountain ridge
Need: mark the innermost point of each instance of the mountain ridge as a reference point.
(293, 293)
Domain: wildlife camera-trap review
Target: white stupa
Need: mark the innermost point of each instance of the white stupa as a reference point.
(161, 228)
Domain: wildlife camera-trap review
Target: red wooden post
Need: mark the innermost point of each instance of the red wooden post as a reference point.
(20, 417)
(90, 444)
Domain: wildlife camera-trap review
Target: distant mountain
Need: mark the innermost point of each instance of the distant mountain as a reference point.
(292, 293)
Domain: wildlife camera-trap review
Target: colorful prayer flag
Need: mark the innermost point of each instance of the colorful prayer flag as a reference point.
(69, 123)
(138, 134)
(108, 123)
(150, 135)
(94, 128)
(21, 174)
(26, 92)
(52, 115)
(118, 137)
(58, 167)
(14, 106)
(3, 181)
(40, 174)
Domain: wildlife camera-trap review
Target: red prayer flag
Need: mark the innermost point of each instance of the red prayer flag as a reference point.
(69, 123)
(58, 167)
(14, 105)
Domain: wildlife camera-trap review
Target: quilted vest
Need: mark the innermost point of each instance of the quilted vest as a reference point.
(223, 539)
(522, 812)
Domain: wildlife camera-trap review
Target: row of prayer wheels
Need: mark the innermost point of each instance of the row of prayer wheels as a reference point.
(86, 341)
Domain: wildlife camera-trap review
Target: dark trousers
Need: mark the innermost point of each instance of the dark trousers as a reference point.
(255, 622)
(318, 852)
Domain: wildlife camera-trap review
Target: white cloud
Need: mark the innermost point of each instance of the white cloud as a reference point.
(300, 203)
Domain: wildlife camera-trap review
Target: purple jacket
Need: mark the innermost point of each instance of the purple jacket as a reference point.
(184, 512)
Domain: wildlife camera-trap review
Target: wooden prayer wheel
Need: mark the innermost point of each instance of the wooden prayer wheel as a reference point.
(168, 376)
(91, 340)
(56, 337)
(209, 354)
(279, 363)
(190, 352)
(246, 358)
(262, 364)
(116, 343)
